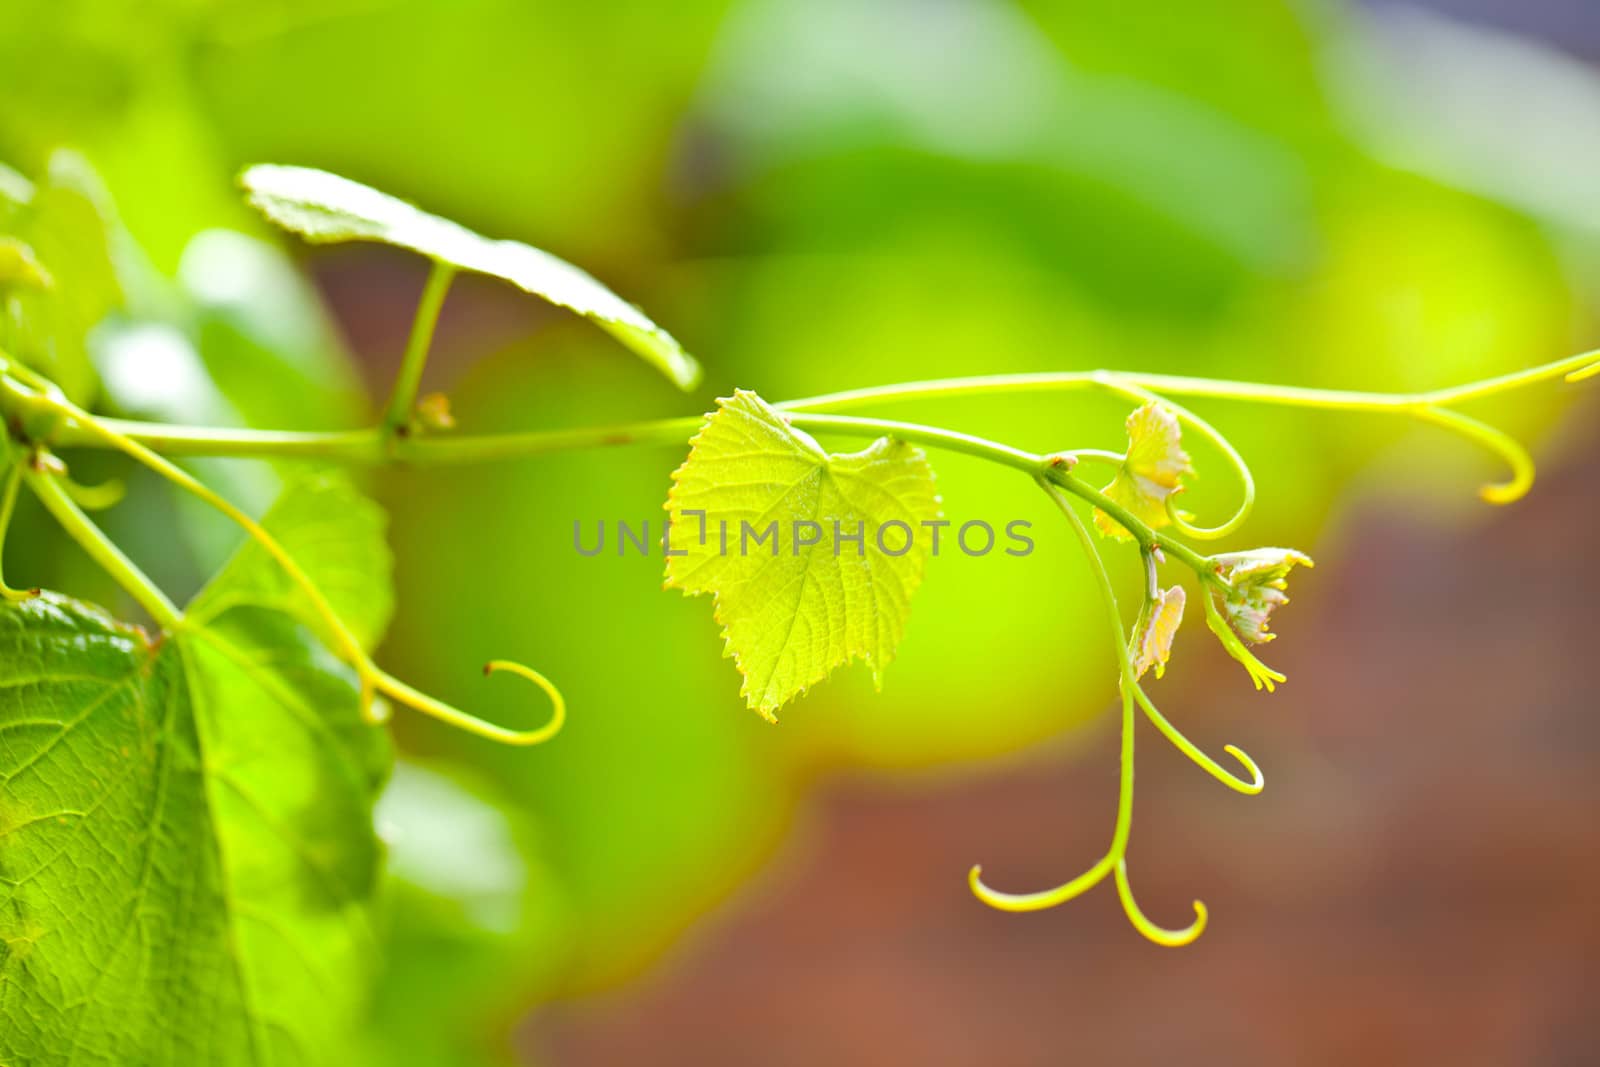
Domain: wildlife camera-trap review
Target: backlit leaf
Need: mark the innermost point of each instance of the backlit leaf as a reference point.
(792, 611)
(338, 538)
(324, 208)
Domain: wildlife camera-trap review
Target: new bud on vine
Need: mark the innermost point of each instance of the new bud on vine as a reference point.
(1258, 579)
(1256, 584)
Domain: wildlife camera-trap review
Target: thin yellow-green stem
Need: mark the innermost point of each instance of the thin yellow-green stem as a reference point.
(1119, 846)
(403, 397)
(381, 444)
(421, 701)
(1571, 367)
(101, 549)
(1239, 785)
(1049, 898)
(8, 504)
(1115, 860)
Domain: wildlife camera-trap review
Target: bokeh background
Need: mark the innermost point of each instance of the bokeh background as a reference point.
(818, 194)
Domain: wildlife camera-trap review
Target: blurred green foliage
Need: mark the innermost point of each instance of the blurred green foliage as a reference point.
(812, 195)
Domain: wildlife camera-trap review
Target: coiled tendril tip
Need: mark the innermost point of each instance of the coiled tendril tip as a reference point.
(420, 701)
(1583, 373)
(1043, 899)
(1161, 935)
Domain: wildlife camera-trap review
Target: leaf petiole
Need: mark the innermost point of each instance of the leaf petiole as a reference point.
(51, 491)
(8, 504)
(398, 417)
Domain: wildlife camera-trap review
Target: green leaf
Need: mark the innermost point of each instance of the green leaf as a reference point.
(1152, 471)
(186, 852)
(324, 208)
(337, 535)
(187, 856)
(791, 612)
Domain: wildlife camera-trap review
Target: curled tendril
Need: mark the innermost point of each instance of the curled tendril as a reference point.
(1161, 935)
(1241, 470)
(393, 687)
(1043, 899)
(1499, 442)
(1257, 781)
(373, 680)
(1115, 859)
(108, 494)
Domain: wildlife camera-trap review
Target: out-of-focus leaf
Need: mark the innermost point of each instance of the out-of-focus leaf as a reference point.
(239, 340)
(324, 208)
(1479, 109)
(264, 337)
(19, 267)
(475, 920)
(64, 225)
(337, 536)
(15, 191)
(1151, 198)
(793, 610)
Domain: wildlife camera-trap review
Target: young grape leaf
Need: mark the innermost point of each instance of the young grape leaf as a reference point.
(187, 857)
(1152, 642)
(324, 208)
(1152, 471)
(811, 557)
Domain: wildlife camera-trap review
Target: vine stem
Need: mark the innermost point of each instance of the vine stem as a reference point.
(1053, 469)
(1573, 368)
(366, 445)
(381, 444)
